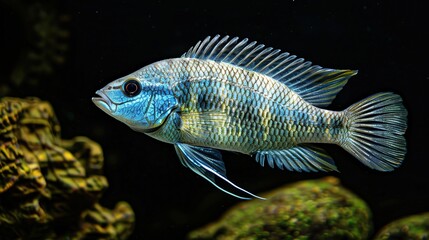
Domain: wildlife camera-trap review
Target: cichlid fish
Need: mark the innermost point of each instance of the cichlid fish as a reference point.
(243, 97)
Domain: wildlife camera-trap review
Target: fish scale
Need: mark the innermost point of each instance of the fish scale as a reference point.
(229, 94)
(219, 84)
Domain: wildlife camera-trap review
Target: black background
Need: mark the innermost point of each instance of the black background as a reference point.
(109, 39)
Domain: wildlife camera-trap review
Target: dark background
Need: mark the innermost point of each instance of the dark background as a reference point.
(109, 39)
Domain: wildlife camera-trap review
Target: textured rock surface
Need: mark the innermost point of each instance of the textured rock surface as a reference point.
(49, 187)
(414, 227)
(314, 209)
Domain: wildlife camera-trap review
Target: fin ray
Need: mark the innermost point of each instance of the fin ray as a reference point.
(376, 128)
(199, 124)
(303, 157)
(315, 84)
(207, 162)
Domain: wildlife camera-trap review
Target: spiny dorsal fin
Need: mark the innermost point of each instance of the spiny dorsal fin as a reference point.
(315, 84)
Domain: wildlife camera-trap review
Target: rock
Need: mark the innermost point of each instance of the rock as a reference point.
(313, 209)
(414, 227)
(49, 187)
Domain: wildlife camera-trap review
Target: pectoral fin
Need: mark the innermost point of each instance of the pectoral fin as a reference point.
(201, 124)
(207, 162)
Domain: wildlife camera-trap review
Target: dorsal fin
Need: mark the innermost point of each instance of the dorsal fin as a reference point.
(315, 84)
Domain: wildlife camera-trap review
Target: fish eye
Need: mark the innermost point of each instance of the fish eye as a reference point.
(132, 87)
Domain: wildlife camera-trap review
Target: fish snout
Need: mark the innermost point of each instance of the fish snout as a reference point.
(104, 102)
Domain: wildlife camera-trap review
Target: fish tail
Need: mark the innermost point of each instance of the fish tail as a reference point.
(375, 131)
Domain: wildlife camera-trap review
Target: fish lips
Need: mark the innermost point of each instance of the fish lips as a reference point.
(104, 102)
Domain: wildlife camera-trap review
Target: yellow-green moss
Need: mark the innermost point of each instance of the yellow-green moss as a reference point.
(314, 209)
(414, 227)
(49, 187)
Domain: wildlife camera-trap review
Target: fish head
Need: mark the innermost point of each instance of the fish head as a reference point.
(142, 104)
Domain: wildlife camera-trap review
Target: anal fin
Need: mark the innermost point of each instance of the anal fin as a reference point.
(304, 157)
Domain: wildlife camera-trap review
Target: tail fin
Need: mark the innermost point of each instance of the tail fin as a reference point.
(376, 131)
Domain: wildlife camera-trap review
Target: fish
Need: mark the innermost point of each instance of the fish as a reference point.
(232, 94)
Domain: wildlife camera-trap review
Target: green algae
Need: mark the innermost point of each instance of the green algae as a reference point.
(415, 227)
(314, 209)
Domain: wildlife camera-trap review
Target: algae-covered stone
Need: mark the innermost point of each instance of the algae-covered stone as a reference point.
(414, 227)
(49, 187)
(314, 209)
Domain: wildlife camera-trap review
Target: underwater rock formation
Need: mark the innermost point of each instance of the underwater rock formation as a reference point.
(414, 227)
(49, 187)
(313, 209)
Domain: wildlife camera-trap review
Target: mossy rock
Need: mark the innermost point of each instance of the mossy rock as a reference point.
(414, 227)
(313, 209)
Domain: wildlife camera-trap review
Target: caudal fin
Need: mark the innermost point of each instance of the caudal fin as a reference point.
(376, 131)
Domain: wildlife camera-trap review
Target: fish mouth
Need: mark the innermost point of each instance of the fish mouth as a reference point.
(104, 102)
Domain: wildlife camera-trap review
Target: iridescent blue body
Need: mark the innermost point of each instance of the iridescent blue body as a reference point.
(234, 109)
(246, 98)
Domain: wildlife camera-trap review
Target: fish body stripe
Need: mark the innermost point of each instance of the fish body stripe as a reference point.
(260, 113)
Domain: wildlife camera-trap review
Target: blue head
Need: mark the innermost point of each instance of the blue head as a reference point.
(142, 104)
